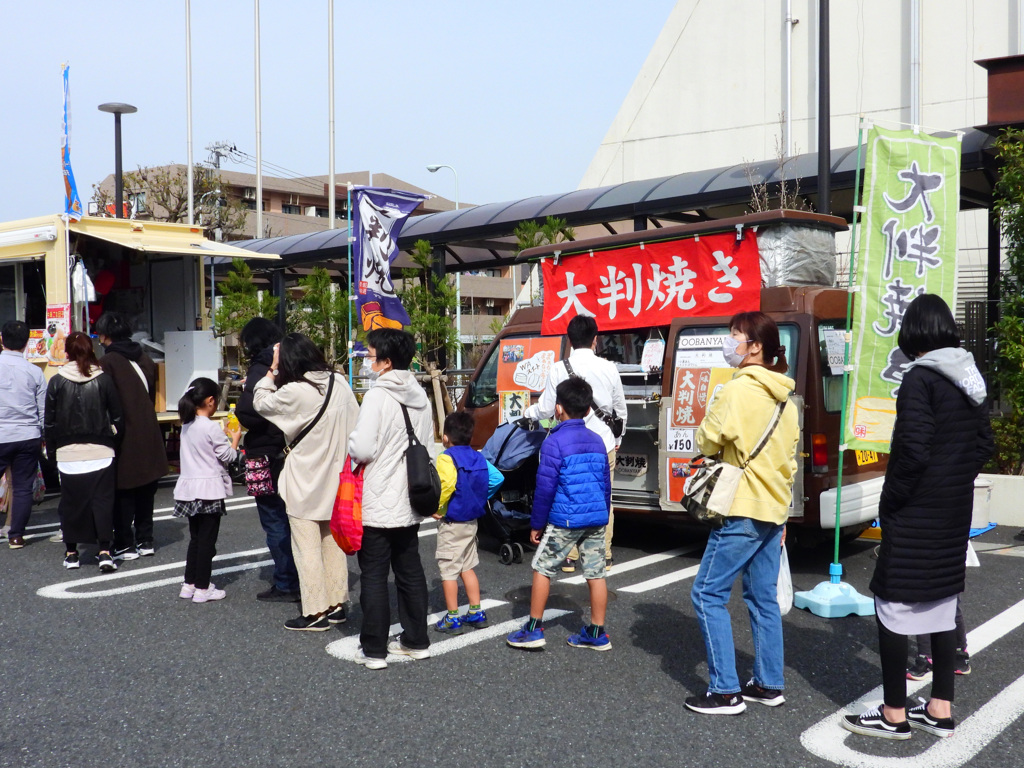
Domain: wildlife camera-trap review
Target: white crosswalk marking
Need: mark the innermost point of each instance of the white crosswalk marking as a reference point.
(639, 562)
(662, 581)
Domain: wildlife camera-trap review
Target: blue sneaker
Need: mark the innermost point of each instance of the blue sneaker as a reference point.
(524, 638)
(475, 619)
(583, 640)
(451, 625)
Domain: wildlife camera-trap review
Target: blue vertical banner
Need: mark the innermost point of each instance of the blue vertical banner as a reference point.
(72, 203)
(377, 219)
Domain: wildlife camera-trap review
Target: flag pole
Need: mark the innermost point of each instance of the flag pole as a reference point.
(833, 598)
(351, 293)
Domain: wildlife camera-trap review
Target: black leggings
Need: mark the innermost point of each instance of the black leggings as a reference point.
(202, 546)
(893, 650)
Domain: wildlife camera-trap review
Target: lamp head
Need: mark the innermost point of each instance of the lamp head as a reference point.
(434, 168)
(117, 108)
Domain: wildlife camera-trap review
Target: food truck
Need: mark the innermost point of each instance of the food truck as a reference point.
(662, 299)
(58, 276)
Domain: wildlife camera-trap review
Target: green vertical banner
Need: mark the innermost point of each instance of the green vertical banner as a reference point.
(908, 247)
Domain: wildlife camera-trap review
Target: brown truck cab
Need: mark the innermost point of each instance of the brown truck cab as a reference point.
(670, 371)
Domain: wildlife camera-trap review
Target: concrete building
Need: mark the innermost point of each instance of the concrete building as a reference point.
(734, 81)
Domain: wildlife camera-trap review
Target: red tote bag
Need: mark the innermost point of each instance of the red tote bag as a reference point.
(347, 517)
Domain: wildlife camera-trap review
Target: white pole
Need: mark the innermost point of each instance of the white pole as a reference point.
(1020, 26)
(458, 291)
(788, 85)
(915, 62)
(188, 107)
(259, 134)
(330, 112)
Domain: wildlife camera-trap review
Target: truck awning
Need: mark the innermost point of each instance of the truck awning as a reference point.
(160, 237)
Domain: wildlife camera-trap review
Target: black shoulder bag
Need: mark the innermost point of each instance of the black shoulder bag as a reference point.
(613, 420)
(424, 482)
(306, 429)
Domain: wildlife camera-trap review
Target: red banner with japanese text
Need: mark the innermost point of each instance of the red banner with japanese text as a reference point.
(652, 283)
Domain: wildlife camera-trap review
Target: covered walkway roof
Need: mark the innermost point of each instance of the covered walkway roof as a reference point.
(482, 237)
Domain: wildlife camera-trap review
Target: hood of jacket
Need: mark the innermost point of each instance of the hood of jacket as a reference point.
(402, 386)
(958, 366)
(264, 357)
(778, 385)
(127, 348)
(71, 372)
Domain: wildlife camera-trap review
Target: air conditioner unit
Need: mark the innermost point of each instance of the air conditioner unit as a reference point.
(311, 210)
(249, 193)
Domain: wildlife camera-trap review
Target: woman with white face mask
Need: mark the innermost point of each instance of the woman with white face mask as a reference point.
(750, 541)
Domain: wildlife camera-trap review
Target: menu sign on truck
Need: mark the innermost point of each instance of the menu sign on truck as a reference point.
(653, 283)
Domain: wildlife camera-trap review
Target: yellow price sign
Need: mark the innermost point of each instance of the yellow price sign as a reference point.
(866, 457)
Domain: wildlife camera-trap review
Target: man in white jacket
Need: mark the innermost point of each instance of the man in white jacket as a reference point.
(603, 378)
(390, 526)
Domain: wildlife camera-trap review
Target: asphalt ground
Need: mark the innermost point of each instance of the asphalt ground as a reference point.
(117, 671)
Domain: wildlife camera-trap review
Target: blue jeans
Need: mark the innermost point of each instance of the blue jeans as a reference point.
(753, 548)
(274, 519)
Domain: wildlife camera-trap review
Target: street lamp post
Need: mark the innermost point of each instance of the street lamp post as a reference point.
(458, 275)
(118, 109)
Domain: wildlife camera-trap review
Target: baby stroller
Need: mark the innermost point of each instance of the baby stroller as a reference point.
(515, 452)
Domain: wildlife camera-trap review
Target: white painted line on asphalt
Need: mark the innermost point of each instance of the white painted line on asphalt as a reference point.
(62, 590)
(827, 738)
(640, 562)
(662, 581)
(345, 649)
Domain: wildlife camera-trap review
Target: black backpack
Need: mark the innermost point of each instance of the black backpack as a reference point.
(424, 482)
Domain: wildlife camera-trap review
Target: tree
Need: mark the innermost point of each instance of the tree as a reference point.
(430, 303)
(321, 313)
(1009, 328)
(163, 192)
(530, 234)
(240, 300)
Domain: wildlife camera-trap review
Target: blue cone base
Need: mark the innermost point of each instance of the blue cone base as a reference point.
(832, 601)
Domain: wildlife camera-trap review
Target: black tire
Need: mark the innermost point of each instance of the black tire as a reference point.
(505, 554)
(517, 553)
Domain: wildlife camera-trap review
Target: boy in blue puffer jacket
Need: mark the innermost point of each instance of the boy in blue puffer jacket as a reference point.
(468, 480)
(570, 508)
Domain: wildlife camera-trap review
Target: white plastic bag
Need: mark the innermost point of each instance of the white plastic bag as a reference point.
(785, 585)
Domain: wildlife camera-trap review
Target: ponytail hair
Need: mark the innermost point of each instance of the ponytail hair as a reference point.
(758, 327)
(196, 394)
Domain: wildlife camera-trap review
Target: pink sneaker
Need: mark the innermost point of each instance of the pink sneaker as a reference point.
(210, 593)
(187, 590)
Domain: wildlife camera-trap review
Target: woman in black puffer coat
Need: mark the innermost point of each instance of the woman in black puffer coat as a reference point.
(941, 439)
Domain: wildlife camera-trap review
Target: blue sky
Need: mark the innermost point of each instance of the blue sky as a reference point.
(516, 96)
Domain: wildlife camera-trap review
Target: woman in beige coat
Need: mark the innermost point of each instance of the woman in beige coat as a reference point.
(290, 396)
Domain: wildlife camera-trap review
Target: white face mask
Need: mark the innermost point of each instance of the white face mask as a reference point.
(729, 345)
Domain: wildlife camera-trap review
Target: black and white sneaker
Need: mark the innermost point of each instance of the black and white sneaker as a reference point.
(770, 697)
(873, 723)
(71, 561)
(308, 624)
(128, 553)
(337, 616)
(717, 704)
(106, 563)
(919, 718)
(146, 549)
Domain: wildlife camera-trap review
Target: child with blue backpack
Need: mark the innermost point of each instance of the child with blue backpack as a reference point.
(570, 508)
(467, 481)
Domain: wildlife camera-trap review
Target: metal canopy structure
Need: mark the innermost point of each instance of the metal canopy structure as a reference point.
(482, 237)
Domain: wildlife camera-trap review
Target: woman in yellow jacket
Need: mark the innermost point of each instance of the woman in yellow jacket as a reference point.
(750, 541)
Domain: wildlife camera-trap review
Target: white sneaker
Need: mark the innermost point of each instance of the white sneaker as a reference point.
(369, 662)
(210, 593)
(187, 591)
(396, 647)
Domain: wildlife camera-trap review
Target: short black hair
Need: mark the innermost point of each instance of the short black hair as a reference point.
(927, 325)
(575, 397)
(582, 331)
(258, 334)
(458, 428)
(114, 325)
(15, 335)
(398, 347)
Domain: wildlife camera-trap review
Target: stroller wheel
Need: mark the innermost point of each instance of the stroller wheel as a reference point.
(505, 554)
(517, 553)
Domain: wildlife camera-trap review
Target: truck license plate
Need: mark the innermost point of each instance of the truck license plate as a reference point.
(866, 457)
